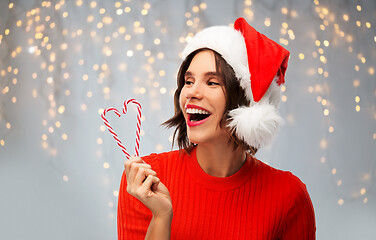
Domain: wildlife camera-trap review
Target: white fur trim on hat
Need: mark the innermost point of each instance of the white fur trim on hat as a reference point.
(229, 43)
(255, 125)
(258, 123)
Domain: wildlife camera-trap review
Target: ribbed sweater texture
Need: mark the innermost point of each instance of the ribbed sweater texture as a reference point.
(257, 202)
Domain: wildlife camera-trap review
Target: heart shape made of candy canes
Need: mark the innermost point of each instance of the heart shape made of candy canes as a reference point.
(111, 130)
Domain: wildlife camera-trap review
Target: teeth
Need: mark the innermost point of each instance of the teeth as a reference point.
(196, 111)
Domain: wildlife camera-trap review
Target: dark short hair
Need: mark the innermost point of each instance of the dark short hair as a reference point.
(235, 97)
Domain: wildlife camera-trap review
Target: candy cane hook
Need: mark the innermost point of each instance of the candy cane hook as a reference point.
(111, 130)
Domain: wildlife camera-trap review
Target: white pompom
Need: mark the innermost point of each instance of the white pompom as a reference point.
(256, 125)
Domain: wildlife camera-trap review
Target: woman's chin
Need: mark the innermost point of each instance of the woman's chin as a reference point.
(194, 139)
(198, 139)
(202, 137)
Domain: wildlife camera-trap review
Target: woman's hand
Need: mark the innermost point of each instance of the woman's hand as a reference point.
(143, 184)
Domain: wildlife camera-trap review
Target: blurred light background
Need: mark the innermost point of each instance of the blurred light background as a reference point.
(63, 62)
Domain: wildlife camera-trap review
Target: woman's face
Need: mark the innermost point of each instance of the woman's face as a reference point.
(202, 99)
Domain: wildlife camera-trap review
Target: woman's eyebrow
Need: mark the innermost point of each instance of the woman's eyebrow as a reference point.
(207, 74)
(216, 74)
(188, 74)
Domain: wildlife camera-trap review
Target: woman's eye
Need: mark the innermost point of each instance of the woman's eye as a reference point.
(188, 82)
(213, 83)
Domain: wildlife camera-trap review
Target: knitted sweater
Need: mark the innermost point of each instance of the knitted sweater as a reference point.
(257, 202)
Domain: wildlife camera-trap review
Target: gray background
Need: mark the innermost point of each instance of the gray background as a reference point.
(51, 188)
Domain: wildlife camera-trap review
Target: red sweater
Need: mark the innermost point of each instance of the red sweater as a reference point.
(257, 202)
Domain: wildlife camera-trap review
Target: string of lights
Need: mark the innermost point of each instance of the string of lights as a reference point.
(84, 51)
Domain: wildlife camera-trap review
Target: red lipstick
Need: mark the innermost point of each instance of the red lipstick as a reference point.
(195, 107)
(195, 123)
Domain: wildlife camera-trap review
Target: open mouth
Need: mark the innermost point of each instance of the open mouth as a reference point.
(196, 115)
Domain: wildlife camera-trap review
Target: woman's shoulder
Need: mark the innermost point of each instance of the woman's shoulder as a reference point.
(289, 189)
(160, 156)
(281, 178)
(165, 163)
(294, 201)
(157, 160)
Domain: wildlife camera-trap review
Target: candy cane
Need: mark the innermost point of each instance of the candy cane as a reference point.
(138, 122)
(111, 130)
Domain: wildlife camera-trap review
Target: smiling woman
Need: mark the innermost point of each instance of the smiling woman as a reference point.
(222, 76)
(203, 91)
(213, 187)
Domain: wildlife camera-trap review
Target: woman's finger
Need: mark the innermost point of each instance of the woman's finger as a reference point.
(142, 173)
(145, 189)
(133, 169)
(128, 163)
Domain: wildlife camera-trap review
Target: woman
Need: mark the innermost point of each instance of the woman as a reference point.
(213, 187)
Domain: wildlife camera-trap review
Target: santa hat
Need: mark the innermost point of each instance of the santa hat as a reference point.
(260, 65)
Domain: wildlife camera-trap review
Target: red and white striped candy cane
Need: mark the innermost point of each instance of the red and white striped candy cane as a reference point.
(138, 121)
(111, 130)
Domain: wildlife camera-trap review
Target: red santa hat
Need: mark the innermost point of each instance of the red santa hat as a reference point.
(260, 65)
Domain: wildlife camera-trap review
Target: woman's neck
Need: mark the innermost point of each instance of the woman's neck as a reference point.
(220, 159)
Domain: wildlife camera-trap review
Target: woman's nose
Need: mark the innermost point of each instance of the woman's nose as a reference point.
(194, 91)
